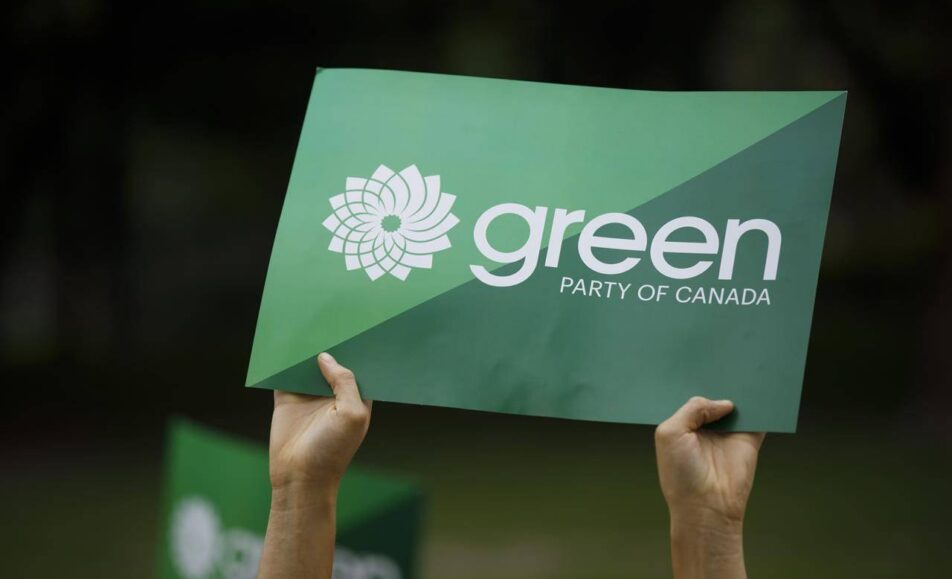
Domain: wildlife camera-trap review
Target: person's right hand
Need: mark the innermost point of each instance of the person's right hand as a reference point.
(706, 477)
(314, 438)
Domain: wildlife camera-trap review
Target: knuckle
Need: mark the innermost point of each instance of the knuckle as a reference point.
(705, 415)
(353, 415)
(344, 375)
(697, 400)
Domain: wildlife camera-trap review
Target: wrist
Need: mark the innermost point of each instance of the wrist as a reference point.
(706, 518)
(706, 544)
(301, 532)
(291, 478)
(300, 495)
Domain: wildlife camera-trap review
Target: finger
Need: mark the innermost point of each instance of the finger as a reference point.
(282, 397)
(341, 379)
(695, 413)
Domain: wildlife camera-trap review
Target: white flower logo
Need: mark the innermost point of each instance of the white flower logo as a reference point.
(391, 222)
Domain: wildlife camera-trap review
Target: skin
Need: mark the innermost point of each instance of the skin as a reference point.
(313, 439)
(706, 478)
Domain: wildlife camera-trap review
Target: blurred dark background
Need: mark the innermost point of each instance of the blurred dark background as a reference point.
(146, 148)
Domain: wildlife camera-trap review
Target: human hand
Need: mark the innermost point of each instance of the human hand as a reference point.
(706, 477)
(314, 438)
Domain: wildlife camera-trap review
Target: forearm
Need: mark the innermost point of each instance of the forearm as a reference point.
(704, 546)
(301, 532)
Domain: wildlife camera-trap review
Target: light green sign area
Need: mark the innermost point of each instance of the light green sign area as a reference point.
(376, 256)
(217, 501)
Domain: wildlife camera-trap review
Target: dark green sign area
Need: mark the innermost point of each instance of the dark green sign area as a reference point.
(551, 250)
(217, 500)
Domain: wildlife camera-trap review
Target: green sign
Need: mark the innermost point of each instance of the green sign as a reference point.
(217, 500)
(551, 250)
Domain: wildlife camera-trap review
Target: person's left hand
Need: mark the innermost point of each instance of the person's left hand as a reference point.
(706, 477)
(705, 471)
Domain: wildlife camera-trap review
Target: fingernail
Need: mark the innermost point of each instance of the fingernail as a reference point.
(724, 402)
(326, 358)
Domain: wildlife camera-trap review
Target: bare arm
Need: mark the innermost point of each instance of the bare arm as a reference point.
(313, 440)
(706, 478)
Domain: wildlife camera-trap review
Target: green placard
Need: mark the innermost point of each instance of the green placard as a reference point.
(217, 500)
(551, 250)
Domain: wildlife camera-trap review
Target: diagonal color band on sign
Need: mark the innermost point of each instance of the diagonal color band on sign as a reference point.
(493, 142)
(523, 355)
(813, 165)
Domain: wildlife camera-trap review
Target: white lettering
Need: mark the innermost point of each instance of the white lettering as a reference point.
(560, 222)
(528, 253)
(588, 240)
(735, 229)
(660, 245)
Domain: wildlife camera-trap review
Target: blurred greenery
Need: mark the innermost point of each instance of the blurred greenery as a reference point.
(144, 152)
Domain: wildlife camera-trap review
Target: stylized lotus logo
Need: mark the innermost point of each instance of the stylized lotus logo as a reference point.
(391, 222)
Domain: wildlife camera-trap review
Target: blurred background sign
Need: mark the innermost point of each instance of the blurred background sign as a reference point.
(218, 496)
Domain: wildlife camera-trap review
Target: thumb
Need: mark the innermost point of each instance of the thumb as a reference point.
(695, 413)
(342, 380)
